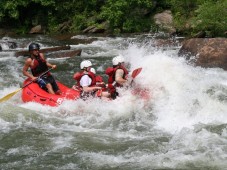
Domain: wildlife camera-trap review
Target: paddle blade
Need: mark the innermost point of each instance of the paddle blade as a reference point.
(136, 72)
(8, 96)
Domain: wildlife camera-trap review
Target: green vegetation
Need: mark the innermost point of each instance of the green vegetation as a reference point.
(126, 16)
(116, 16)
(200, 15)
(211, 16)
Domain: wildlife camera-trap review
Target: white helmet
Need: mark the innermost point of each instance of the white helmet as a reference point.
(93, 70)
(85, 64)
(118, 59)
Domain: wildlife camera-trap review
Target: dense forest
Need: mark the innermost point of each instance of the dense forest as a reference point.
(116, 16)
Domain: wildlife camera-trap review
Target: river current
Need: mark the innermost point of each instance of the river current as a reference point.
(183, 125)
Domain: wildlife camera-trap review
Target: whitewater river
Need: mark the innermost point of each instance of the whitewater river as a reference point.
(183, 125)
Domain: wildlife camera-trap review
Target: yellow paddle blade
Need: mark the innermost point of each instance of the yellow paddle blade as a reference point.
(8, 96)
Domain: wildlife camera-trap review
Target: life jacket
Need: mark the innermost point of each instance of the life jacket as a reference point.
(77, 76)
(110, 71)
(100, 82)
(85, 95)
(98, 79)
(39, 66)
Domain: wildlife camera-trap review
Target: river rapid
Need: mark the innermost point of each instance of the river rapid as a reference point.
(183, 125)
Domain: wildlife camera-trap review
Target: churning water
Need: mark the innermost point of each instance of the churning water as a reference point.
(183, 125)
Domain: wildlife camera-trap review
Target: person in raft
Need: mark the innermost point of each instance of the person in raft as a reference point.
(86, 82)
(117, 75)
(38, 65)
(99, 79)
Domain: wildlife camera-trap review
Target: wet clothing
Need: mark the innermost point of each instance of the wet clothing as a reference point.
(77, 76)
(112, 84)
(111, 72)
(39, 67)
(44, 80)
(86, 80)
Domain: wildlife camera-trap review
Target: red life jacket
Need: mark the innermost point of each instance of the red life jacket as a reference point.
(110, 71)
(100, 82)
(84, 95)
(98, 79)
(77, 76)
(39, 66)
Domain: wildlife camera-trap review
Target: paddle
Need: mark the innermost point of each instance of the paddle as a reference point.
(8, 96)
(136, 72)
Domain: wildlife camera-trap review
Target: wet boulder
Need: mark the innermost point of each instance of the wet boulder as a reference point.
(6, 44)
(205, 52)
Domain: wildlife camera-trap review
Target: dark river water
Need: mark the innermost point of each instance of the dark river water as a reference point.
(183, 125)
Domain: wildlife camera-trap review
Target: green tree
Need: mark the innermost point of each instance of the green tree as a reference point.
(24, 13)
(85, 14)
(211, 16)
(183, 10)
(126, 16)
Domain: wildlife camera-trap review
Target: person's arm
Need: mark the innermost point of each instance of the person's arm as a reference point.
(25, 69)
(90, 89)
(85, 82)
(119, 77)
(47, 63)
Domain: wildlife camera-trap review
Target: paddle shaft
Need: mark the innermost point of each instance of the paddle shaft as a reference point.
(39, 77)
(8, 96)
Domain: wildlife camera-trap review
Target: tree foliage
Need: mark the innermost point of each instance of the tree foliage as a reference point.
(211, 16)
(118, 15)
(127, 16)
(201, 15)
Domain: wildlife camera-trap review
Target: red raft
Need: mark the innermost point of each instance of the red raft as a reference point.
(33, 93)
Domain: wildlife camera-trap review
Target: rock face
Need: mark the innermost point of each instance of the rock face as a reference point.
(36, 30)
(206, 52)
(165, 21)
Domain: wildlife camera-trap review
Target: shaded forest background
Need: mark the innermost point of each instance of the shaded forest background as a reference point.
(115, 16)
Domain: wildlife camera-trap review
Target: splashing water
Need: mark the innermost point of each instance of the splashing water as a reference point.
(181, 126)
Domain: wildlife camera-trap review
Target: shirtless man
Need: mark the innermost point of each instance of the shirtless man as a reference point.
(38, 65)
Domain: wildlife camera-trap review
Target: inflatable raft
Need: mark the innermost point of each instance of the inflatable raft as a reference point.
(33, 93)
